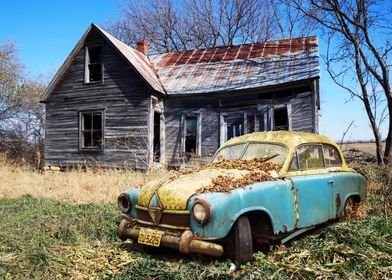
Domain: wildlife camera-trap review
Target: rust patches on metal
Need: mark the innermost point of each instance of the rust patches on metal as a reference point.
(177, 220)
(185, 240)
(338, 202)
(295, 201)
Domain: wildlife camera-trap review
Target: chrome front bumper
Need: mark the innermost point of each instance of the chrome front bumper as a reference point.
(186, 243)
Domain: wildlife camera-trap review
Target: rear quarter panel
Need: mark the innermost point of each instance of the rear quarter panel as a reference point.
(349, 184)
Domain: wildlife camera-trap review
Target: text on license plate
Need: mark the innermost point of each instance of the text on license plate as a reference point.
(150, 237)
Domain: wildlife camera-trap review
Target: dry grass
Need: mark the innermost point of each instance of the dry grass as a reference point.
(78, 186)
(368, 147)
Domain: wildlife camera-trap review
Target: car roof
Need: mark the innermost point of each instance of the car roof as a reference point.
(289, 138)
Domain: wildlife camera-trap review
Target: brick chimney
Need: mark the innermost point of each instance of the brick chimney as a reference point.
(142, 46)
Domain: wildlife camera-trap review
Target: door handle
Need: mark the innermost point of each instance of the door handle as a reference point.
(330, 182)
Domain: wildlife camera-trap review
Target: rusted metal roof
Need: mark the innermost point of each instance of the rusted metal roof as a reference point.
(240, 67)
(220, 69)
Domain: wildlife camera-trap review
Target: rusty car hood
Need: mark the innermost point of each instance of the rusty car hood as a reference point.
(175, 190)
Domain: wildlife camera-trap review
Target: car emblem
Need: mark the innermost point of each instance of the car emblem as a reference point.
(155, 209)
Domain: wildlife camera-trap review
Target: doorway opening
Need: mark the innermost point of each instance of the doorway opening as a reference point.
(281, 119)
(157, 137)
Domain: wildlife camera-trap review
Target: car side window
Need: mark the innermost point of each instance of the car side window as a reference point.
(331, 156)
(310, 156)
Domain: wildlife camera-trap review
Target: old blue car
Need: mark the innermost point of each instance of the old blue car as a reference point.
(186, 211)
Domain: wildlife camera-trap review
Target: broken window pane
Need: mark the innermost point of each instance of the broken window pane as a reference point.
(250, 124)
(97, 121)
(281, 120)
(87, 121)
(97, 139)
(94, 59)
(95, 72)
(95, 54)
(87, 139)
(190, 134)
(234, 126)
(92, 130)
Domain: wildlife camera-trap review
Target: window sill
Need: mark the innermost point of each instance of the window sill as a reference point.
(94, 83)
(92, 150)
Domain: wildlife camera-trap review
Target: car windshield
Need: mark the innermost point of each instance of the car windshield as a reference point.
(230, 152)
(269, 151)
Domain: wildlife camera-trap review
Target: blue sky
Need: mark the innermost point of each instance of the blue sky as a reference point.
(46, 31)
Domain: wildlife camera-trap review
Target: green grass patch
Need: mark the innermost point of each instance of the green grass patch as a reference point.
(42, 238)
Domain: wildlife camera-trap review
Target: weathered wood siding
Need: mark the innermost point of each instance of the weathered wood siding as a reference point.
(211, 107)
(123, 96)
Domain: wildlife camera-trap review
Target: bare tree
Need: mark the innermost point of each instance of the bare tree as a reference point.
(21, 114)
(10, 75)
(290, 22)
(358, 59)
(194, 24)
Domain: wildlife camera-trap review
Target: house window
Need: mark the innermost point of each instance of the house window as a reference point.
(190, 134)
(93, 64)
(234, 126)
(251, 124)
(91, 130)
(281, 118)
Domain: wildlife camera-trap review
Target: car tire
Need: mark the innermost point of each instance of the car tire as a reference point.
(243, 241)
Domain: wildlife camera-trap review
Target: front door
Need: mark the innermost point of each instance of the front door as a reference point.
(315, 188)
(314, 197)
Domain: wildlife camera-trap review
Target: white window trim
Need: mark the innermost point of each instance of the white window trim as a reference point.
(87, 62)
(223, 124)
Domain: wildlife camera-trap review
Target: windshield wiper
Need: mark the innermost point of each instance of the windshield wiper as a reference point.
(267, 158)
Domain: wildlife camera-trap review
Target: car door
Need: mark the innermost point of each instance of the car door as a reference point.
(344, 183)
(313, 185)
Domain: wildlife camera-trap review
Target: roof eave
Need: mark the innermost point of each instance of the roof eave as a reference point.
(49, 89)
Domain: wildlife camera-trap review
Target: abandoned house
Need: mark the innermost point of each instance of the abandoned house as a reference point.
(113, 105)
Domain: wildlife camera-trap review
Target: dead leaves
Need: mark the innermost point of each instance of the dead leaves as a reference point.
(256, 164)
(260, 171)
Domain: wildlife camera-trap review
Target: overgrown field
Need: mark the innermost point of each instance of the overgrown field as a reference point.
(44, 235)
(79, 186)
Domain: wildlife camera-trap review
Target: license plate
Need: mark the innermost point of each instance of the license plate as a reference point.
(150, 237)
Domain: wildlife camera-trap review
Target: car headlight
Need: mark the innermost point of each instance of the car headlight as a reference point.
(124, 203)
(201, 211)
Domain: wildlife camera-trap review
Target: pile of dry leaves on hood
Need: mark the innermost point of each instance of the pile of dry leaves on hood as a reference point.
(259, 171)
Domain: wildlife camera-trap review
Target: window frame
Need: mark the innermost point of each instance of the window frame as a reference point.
(244, 114)
(295, 154)
(252, 142)
(198, 133)
(81, 130)
(87, 63)
(289, 112)
(338, 153)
